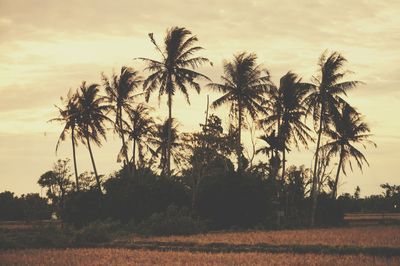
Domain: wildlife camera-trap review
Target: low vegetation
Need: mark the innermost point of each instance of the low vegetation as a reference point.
(106, 256)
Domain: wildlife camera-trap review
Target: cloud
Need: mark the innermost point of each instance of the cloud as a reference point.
(49, 47)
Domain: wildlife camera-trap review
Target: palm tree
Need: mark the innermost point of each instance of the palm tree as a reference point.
(286, 112)
(174, 72)
(273, 144)
(349, 129)
(120, 95)
(92, 119)
(141, 129)
(160, 143)
(69, 115)
(323, 102)
(244, 85)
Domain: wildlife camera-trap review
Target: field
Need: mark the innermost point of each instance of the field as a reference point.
(106, 256)
(354, 245)
(371, 218)
(366, 236)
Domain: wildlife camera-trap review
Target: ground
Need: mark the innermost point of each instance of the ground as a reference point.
(350, 245)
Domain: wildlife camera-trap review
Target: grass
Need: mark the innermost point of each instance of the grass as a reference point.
(365, 236)
(107, 256)
(368, 245)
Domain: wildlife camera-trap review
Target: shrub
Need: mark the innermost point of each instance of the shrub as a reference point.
(127, 200)
(82, 207)
(329, 212)
(173, 221)
(96, 232)
(231, 199)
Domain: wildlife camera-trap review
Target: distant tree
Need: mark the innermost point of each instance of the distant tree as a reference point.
(140, 130)
(286, 113)
(208, 153)
(35, 207)
(58, 183)
(323, 102)
(357, 193)
(349, 129)
(174, 72)
(10, 207)
(272, 144)
(92, 119)
(244, 85)
(88, 181)
(69, 116)
(120, 95)
(160, 143)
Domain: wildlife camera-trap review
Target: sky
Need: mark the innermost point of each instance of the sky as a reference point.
(48, 47)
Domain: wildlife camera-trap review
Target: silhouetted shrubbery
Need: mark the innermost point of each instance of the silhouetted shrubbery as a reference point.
(27, 207)
(173, 221)
(231, 199)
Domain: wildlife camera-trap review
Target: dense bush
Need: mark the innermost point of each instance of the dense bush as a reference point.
(129, 200)
(27, 207)
(231, 199)
(173, 221)
(82, 207)
(96, 232)
(329, 211)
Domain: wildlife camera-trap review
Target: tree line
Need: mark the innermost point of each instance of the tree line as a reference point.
(278, 111)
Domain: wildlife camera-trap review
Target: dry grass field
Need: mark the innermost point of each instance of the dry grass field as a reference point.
(366, 236)
(362, 245)
(142, 257)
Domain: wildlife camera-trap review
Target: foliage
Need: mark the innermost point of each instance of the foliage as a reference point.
(82, 207)
(96, 232)
(127, 200)
(230, 199)
(27, 207)
(173, 221)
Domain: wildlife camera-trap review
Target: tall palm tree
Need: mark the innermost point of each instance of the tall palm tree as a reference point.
(142, 128)
(69, 115)
(244, 85)
(174, 72)
(348, 130)
(92, 119)
(286, 111)
(160, 143)
(323, 102)
(120, 95)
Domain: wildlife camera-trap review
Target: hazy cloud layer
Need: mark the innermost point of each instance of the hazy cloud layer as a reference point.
(48, 47)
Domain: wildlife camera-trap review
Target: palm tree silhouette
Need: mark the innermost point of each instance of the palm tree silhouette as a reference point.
(174, 72)
(120, 95)
(349, 129)
(160, 143)
(244, 85)
(272, 145)
(286, 110)
(92, 119)
(142, 128)
(69, 115)
(323, 102)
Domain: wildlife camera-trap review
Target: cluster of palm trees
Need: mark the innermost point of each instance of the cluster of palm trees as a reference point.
(280, 112)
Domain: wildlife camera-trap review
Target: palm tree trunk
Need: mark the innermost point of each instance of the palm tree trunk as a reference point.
(169, 134)
(283, 162)
(94, 165)
(238, 144)
(123, 137)
(74, 158)
(202, 165)
(334, 190)
(314, 191)
(134, 158)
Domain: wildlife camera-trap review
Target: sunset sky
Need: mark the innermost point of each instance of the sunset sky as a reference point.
(48, 47)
